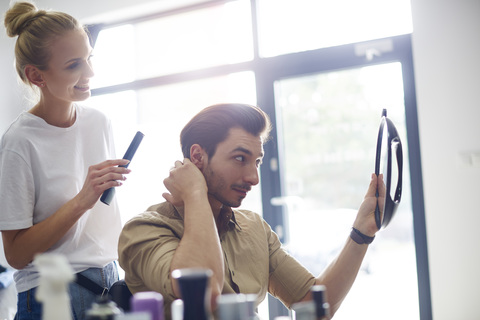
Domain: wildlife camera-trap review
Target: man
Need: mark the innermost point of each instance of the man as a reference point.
(197, 227)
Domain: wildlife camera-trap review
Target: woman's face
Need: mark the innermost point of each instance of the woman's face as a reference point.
(69, 69)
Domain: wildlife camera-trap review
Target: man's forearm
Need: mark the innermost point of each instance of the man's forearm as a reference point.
(340, 275)
(200, 245)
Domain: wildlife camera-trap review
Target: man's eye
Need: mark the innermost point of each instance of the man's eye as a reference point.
(240, 158)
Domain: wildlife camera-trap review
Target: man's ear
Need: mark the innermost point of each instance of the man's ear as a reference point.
(34, 75)
(198, 156)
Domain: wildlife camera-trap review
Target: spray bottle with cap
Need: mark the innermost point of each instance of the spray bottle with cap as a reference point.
(55, 275)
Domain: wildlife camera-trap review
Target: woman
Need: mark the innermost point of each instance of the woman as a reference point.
(53, 162)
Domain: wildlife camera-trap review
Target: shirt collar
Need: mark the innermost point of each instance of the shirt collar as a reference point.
(229, 222)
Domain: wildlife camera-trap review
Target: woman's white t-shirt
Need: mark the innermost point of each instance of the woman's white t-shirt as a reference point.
(41, 168)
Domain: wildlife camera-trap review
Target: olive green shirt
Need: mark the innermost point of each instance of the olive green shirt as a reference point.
(255, 261)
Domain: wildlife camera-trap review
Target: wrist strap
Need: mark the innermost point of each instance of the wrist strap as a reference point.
(359, 237)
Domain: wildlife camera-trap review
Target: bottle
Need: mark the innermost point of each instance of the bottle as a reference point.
(177, 309)
(319, 297)
(103, 309)
(55, 275)
(150, 302)
(134, 316)
(232, 307)
(304, 310)
(251, 306)
(195, 292)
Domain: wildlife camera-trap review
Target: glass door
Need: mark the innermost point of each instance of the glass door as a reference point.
(327, 126)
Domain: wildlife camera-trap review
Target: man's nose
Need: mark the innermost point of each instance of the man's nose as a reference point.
(252, 176)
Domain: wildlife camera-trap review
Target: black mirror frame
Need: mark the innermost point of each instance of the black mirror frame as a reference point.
(394, 144)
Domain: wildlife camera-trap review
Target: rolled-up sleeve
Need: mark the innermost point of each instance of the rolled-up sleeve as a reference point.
(289, 280)
(146, 248)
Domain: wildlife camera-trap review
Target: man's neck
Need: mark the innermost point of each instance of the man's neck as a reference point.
(221, 213)
(223, 219)
(216, 206)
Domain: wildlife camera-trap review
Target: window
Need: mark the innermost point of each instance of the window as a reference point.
(308, 62)
(329, 122)
(212, 36)
(287, 26)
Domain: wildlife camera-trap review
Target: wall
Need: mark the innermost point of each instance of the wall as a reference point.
(446, 44)
(9, 90)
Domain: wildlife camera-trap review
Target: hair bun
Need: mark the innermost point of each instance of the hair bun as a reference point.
(18, 17)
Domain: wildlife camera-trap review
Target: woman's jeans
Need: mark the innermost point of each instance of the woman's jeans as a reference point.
(28, 308)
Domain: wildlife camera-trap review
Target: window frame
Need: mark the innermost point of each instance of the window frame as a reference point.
(337, 58)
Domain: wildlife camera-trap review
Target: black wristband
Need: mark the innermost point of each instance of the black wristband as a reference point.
(359, 237)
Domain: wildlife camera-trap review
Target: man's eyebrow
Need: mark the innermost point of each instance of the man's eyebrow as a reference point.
(242, 149)
(247, 151)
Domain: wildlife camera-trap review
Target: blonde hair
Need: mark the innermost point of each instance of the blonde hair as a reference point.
(36, 30)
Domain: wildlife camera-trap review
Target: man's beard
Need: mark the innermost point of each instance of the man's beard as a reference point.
(217, 185)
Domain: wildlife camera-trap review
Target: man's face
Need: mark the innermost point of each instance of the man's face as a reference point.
(233, 169)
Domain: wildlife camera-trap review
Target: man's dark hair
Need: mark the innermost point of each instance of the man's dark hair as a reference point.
(211, 126)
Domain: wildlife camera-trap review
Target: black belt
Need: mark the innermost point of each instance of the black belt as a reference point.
(88, 284)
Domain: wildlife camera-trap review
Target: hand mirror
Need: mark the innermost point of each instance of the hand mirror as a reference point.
(389, 162)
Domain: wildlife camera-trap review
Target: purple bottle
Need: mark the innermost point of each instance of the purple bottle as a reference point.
(150, 302)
